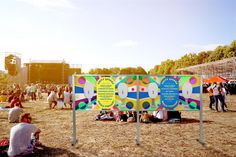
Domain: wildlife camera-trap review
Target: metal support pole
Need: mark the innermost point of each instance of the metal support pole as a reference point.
(138, 108)
(201, 136)
(74, 140)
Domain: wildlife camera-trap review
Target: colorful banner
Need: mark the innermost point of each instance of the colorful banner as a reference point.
(120, 92)
(105, 92)
(180, 92)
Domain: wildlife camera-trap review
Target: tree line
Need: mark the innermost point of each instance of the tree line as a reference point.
(170, 66)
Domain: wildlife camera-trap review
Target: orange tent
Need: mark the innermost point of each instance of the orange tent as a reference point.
(216, 79)
(205, 80)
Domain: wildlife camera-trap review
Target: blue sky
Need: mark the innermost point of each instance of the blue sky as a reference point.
(114, 33)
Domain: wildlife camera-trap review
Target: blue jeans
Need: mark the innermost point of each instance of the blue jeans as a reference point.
(217, 98)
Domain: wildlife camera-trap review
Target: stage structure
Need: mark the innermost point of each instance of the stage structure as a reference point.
(44, 71)
(225, 68)
(137, 93)
(13, 63)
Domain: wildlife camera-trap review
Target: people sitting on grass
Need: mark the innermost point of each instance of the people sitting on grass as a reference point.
(23, 137)
(121, 116)
(14, 114)
(52, 98)
(105, 115)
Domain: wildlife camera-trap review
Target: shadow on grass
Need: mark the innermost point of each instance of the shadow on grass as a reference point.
(4, 118)
(191, 120)
(44, 151)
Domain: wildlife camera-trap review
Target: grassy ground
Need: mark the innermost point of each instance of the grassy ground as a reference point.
(106, 139)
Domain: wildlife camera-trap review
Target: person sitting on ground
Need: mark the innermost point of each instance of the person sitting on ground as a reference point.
(174, 116)
(145, 117)
(14, 114)
(121, 116)
(23, 137)
(15, 101)
(52, 98)
(157, 116)
(132, 116)
(105, 115)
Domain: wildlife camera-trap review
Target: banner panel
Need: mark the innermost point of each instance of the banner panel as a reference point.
(105, 92)
(176, 92)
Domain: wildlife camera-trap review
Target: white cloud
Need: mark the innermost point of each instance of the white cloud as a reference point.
(126, 43)
(199, 47)
(46, 4)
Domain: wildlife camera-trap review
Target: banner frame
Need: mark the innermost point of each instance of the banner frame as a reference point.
(201, 133)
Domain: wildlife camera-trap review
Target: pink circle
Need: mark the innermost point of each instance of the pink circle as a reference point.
(81, 80)
(97, 78)
(193, 80)
(132, 89)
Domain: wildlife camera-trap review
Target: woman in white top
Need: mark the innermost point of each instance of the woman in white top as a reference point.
(67, 97)
(52, 98)
(157, 116)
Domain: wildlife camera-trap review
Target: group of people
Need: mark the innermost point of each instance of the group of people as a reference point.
(217, 92)
(144, 116)
(24, 136)
(60, 96)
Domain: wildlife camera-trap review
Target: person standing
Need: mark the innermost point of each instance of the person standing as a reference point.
(211, 96)
(218, 97)
(223, 94)
(33, 92)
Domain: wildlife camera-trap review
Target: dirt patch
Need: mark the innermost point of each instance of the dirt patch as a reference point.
(106, 139)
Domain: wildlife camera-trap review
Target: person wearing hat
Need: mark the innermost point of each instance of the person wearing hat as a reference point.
(23, 137)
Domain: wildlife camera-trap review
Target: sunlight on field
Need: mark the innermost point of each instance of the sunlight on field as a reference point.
(97, 138)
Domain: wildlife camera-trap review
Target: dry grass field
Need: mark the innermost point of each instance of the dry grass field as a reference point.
(108, 139)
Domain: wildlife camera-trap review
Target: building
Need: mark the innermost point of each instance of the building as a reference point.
(57, 72)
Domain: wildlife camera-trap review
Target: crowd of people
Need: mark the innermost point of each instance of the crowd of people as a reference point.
(144, 116)
(32, 92)
(24, 136)
(217, 93)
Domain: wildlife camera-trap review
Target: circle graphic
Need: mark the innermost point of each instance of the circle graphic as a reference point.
(146, 105)
(130, 105)
(81, 80)
(193, 80)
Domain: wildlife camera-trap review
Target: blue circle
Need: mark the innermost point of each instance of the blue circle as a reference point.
(146, 105)
(129, 105)
(169, 92)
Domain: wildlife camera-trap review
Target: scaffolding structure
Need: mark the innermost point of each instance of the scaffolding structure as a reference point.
(225, 68)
